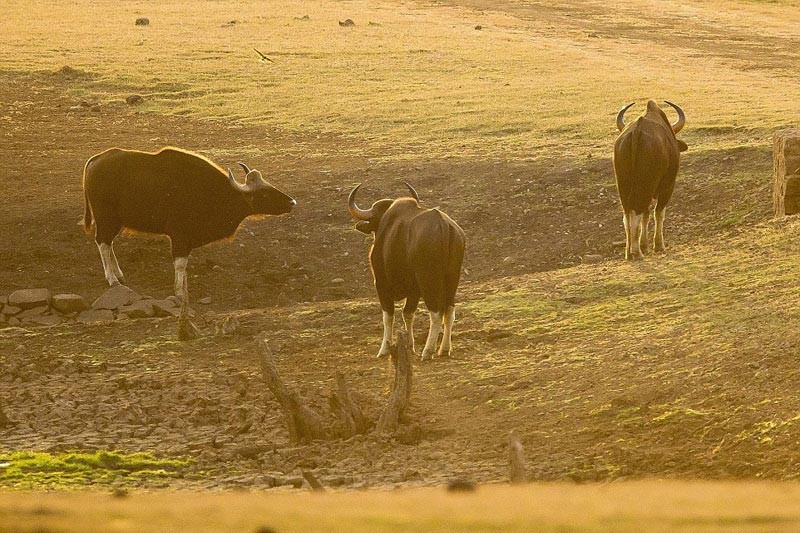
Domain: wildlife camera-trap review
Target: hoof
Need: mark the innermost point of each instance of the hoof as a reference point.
(123, 281)
(443, 353)
(426, 356)
(381, 355)
(634, 257)
(659, 249)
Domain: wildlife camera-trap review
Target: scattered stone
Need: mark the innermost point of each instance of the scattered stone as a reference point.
(120, 492)
(166, 307)
(33, 312)
(508, 259)
(347, 23)
(266, 529)
(337, 281)
(11, 310)
(95, 316)
(461, 485)
(95, 108)
(69, 303)
(478, 27)
(205, 300)
(115, 297)
(143, 21)
(28, 298)
(373, 23)
(140, 309)
(134, 99)
(592, 258)
(44, 320)
(304, 17)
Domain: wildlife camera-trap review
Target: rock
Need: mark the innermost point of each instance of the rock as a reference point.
(95, 316)
(33, 312)
(337, 281)
(45, 320)
(69, 303)
(347, 23)
(143, 21)
(134, 99)
(14, 321)
(115, 297)
(205, 300)
(165, 307)
(11, 310)
(28, 298)
(3, 301)
(478, 27)
(592, 258)
(461, 485)
(786, 172)
(140, 309)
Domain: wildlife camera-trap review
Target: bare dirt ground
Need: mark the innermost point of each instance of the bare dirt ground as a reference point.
(594, 380)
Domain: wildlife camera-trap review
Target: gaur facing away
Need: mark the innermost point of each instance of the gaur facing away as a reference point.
(171, 192)
(646, 159)
(415, 253)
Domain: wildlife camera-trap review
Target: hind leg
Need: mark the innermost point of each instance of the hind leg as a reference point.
(643, 237)
(115, 266)
(658, 240)
(433, 335)
(409, 310)
(449, 318)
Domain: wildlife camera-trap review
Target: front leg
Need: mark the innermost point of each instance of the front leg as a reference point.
(181, 285)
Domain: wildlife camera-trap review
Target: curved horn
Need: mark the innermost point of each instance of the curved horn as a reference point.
(245, 167)
(355, 211)
(413, 192)
(620, 120)
(681, 122)
(235, 184)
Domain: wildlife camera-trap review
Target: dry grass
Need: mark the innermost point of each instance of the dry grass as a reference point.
(622, 507)
(533, 82)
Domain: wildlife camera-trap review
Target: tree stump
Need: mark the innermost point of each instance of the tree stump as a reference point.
(4, 421)
(401, 390)
(518, 471)
(786, 172)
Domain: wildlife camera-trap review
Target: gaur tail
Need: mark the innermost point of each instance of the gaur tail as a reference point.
(88, 217)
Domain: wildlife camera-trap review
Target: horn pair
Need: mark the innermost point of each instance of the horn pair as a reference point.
(246, 187)
(366, 214)
(676, 126)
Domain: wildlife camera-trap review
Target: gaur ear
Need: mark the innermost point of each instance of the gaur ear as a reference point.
(364, 227)
(682, 146)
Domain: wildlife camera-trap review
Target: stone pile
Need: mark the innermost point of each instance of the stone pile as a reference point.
(38, 307)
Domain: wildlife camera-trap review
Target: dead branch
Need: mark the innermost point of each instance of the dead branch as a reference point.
(349, 413)
(313, 481)
(401, 390)
(187, 331)
(304, 423)
(518, 472)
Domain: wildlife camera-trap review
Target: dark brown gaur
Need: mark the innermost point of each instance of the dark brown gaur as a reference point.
(171, 192)
(415, 253)
(646, 161)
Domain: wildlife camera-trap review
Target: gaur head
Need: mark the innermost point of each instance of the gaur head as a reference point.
(263, 198)
(653, 112)
(370, 219)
